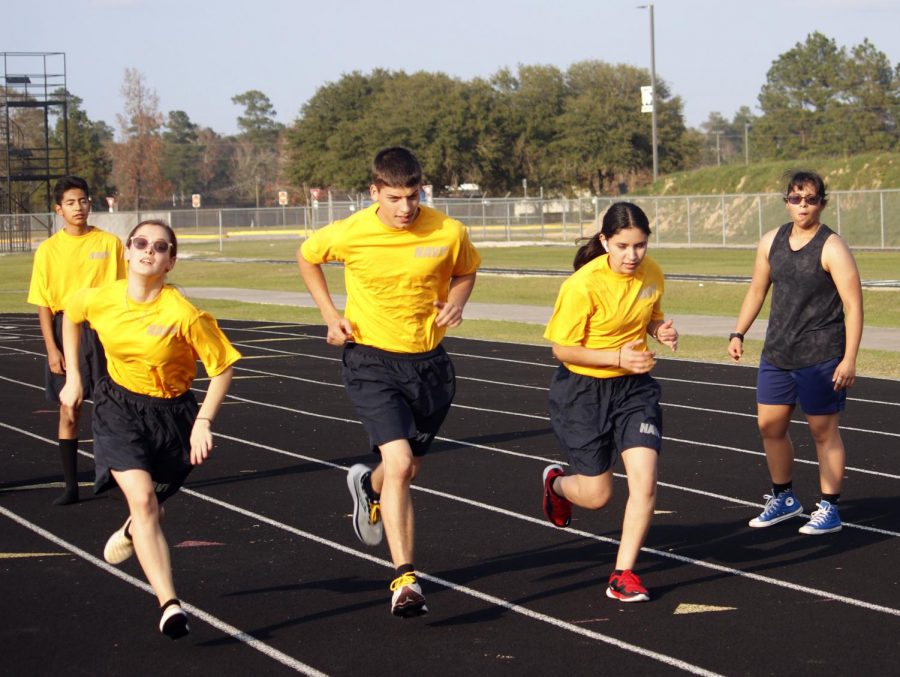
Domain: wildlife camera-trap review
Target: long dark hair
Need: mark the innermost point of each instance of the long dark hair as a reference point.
(619, 216)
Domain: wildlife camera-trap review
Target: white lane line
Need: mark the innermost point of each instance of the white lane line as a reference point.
(235, 398)
(197, 612)
(705, 410)
(538, 522)
(301, 667)
(485, 597)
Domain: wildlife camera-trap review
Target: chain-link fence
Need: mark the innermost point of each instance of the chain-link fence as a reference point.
(868, 219)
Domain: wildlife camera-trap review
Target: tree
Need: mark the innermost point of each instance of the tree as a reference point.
(137, 156)
(330, 144)
(258, 122)
(818, 98)
(89, 144)
(256, 161)
(212, 165)
(181, 155)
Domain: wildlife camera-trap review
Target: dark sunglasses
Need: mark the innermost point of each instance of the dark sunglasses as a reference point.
(159, 246)
(811, 200)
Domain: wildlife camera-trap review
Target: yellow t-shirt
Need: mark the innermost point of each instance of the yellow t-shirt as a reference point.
(601, 309)
(65, 263)
(394, 276)
(152, 348)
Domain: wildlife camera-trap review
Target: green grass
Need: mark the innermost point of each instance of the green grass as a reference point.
(721, 299)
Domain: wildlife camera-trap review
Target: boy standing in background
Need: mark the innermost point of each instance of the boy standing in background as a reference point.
(77, 256)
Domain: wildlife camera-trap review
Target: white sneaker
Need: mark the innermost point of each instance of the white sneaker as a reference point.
(119, 546)
(408, 600)
(366, 512)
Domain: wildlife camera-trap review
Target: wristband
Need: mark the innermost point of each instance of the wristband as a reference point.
(736, 335)
(203, 418)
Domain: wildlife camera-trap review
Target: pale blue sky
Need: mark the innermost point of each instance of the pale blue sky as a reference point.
(198, 54)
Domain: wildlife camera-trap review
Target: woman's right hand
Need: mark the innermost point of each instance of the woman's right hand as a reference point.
(635, 360)
(71, 394)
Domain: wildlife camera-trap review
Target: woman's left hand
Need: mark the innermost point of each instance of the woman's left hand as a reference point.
(844, 375)
(667, 335)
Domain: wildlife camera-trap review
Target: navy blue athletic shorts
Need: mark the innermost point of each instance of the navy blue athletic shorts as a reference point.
(811, 386)
(596, 419)
(139, 432)
(91, 358)
(399, 395)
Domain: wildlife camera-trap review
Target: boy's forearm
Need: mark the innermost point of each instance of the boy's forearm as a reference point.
(317, 285)
(461, 289)
(45, 319)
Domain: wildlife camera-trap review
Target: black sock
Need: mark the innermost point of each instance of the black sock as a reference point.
(831, 498)
(68, 454)
(778, 488)
(367, 487)
(405, 569)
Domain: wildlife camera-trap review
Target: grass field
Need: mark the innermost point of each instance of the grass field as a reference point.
(195, 269)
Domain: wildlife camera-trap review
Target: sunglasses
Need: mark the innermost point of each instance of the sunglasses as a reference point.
(811, 200)
(159, 246)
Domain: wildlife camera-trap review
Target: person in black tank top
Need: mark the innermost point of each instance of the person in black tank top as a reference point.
(809, 355)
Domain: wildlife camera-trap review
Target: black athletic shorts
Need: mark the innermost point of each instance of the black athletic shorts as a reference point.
(399, 395)
(91, 358)
(596, 419)
(139, 432)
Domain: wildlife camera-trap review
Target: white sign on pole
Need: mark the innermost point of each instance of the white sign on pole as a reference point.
(282, 198)
(646, 99)
(195, 200)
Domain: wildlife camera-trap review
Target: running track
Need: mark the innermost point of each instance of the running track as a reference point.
(276, 582)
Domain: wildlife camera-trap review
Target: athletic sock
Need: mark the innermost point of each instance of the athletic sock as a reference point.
(779, 488)
(68, 453)
(367, 487)
(405, 569)
(831, 498)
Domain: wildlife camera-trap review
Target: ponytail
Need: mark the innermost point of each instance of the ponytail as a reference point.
(589, 251)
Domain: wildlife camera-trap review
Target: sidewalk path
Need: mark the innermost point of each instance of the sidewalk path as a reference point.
(874, 338)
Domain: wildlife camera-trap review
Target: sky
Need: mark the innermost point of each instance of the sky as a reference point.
(196, 54)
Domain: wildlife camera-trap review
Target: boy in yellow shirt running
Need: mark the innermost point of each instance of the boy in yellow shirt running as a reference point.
(409, 271)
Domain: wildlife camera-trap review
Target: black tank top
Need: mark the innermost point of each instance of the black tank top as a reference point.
(806, 324)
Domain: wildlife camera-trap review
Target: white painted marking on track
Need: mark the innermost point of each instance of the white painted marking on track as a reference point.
(197, 612)
(477, 594)
(233, 398)
(540, 522)
(302, 667)
(700, 608)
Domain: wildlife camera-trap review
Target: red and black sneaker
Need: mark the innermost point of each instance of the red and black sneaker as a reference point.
(557, 509)
(626, 587)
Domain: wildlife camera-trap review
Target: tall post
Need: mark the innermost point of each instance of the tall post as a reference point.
(718, 149)
(653, 132)
(746, 143)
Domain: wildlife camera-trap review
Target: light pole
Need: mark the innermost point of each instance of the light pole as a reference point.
(654, 139)
(746, 143)
(718, 133)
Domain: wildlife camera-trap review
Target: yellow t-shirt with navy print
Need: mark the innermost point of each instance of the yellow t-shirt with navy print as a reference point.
(393, 276)
(152, 348)
(64, 264)
(601, 309)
